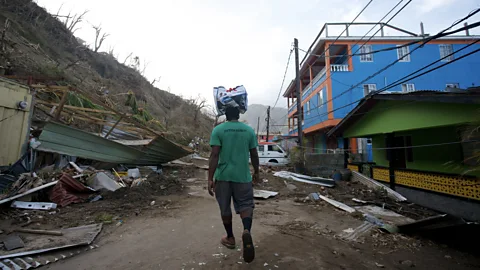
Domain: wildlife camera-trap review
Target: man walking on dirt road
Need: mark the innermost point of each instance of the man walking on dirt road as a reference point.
(229, 176)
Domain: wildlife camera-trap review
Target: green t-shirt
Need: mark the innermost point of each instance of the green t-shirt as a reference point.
(235, 139)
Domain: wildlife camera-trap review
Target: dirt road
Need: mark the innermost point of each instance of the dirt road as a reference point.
(288, 235)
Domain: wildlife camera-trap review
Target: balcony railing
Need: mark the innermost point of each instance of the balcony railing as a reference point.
(339, 68)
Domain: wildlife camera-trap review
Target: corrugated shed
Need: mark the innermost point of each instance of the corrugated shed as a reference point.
(14, 122)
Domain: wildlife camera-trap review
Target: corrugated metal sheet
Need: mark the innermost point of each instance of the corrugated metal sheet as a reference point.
(160, 151)
(14, 123)
(58, 138)
(69, 141)
(68, 191)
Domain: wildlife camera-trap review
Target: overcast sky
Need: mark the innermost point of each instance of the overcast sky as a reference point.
(195, 45)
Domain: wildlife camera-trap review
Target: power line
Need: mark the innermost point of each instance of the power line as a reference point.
(346, 28)
(323, 54)
(425, 40)
(402, 147)
(391, 64)
(284, 76)
(406, 78)
(380, 21)
(442, 34)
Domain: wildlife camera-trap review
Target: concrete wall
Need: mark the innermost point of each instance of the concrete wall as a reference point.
(467, 209)
(325, 164)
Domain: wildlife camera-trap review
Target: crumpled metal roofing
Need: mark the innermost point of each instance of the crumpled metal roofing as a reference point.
(58, 138)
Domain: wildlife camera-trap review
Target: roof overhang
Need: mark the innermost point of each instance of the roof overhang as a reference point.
(367, 103)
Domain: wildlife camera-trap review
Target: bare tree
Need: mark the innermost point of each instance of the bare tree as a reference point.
(145, 65)
(70, 21)
(99, 37)
(128, 57)
(198, 104)
(76, 19)
(156, 80)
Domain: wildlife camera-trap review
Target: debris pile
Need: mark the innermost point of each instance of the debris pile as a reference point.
(42, 216)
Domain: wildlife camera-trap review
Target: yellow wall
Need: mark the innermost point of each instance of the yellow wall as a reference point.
(14, 123)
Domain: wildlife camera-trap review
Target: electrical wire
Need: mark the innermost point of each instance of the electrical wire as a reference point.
(286, 69)
(406, 78)
(441, 34)
(400, 147)
(373, 75)
(284, 76)
(425, 40)
(346, 28)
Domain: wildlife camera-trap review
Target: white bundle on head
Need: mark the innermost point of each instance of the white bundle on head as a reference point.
(233, 97)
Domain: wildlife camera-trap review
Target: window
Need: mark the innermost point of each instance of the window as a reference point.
(320, 98)
(445, 50)
(308, 107)
(403, 54)
(261, 148)
(368, 88)
(408, 87)
(453, 85)
(366, 55)
(275, 148)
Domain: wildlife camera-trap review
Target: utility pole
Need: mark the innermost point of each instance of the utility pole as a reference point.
(268, 122)
(258, 127)
(299, 96)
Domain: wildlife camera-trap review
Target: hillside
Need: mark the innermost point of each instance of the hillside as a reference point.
(277, 116)
(38, 45)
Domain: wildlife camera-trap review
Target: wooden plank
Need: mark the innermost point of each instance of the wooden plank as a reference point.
(58, 111)
(51, 87)
(113, 127)
(56, 233)
(137, 131)
(75, 107)
(126, 117)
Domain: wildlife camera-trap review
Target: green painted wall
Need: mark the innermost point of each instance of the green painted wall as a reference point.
(393, 116)
(443, 159)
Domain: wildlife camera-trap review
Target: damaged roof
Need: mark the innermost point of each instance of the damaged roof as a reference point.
(58, 138)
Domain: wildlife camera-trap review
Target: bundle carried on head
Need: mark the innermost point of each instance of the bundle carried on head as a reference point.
(233, 97)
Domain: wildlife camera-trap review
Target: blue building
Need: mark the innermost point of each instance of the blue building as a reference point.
(334, 65)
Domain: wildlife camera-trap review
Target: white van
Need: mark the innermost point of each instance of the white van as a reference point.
(272, 154)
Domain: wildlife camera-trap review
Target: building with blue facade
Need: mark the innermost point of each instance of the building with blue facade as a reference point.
(334, 71)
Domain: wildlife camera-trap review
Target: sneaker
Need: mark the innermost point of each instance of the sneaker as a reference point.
(248, 248)
(228, 242)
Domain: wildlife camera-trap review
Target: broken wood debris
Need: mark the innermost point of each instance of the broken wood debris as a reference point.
(45, 232)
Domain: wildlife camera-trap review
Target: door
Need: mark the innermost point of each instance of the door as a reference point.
(399, 160)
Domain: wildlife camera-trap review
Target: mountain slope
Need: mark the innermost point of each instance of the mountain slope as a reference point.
(36, 44)
(278, 118)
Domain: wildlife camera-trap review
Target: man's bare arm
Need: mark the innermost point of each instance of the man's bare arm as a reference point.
(255, 163)
(212, 167)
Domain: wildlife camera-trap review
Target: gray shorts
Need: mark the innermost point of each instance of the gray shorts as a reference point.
(242, 194)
